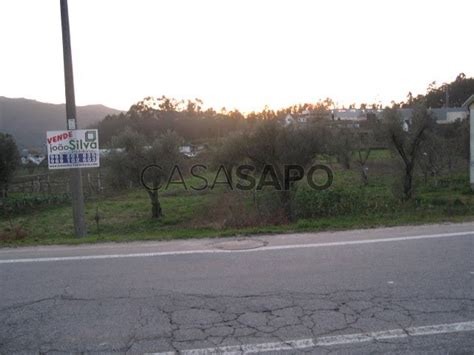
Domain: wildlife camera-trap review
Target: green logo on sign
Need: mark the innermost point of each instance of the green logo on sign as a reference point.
(91, 136)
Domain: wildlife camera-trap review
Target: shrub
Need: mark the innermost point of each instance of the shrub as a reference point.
(13, 233)
(336, 202)
(236, 209)
(16, 205)
(9, 161)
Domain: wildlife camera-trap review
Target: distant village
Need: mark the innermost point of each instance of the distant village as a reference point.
(33, 158)
(351, 117)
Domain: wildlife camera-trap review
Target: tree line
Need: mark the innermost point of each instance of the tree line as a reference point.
(188, 118)
(431, 148)
(152, 131)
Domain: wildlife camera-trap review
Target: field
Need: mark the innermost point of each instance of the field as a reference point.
(125, 215)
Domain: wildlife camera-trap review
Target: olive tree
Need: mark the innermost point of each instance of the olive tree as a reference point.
(343, 145)
(434, 156)
(9, 161)
(134, 160)
(445, 150)
(271, 148)
(126, 158)
(162, 158)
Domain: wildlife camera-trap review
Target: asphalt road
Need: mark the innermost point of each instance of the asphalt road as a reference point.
(397, 290)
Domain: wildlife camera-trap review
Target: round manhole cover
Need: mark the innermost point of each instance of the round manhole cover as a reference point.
(240, 244)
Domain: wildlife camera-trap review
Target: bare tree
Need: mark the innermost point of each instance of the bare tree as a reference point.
(362, 157)
(363, 149)
(406, 142)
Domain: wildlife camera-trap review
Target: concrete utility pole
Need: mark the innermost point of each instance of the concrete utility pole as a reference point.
(469, 105)
(71, 120)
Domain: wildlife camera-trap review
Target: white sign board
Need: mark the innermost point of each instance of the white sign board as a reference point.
(73, 149)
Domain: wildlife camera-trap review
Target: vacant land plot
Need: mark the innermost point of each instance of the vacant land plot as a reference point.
(348, 203)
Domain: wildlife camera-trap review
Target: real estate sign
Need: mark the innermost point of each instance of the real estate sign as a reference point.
(73, 149)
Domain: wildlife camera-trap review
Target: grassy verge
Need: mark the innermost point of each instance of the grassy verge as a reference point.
(64, 236)
(187, 214)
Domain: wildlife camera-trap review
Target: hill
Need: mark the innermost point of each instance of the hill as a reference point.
(28, 120)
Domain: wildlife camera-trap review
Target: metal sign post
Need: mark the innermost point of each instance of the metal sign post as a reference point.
(76, 177)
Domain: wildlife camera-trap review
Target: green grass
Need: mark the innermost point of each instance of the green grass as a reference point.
(188, 214)
(45, 229)
(380, 154)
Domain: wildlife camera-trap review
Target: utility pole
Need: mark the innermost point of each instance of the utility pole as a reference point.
(447, 96)
(71, 120)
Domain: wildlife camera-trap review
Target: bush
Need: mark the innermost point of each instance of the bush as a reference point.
(16, 205)
(13, 233)
(237, 209)
(9, 161)
(336, 202)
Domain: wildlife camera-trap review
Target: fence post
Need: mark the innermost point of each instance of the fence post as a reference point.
(99, 185)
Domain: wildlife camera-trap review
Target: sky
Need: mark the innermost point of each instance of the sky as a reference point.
(242, 54)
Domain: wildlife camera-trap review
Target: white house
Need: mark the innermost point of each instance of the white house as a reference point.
(289, 120)
(302, 118)
(36, 159)
(449, 115)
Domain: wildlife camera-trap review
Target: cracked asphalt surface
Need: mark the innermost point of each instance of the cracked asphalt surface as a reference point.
(193, 301)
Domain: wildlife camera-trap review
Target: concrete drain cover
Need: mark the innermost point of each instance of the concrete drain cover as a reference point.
(240, 244)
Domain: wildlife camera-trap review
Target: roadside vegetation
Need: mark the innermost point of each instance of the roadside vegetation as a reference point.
(125, 215)
(384, 172)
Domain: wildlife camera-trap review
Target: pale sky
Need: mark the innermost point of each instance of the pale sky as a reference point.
(239, 54)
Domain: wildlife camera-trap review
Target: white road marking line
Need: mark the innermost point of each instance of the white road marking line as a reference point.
(361, 338)
(441, 329)
(390, 282)
(329, 340)
(221, 251)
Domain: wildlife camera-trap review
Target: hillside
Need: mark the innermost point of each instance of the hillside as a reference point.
(28, 120)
